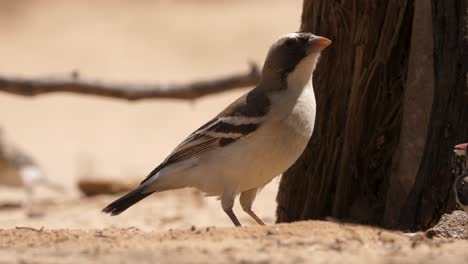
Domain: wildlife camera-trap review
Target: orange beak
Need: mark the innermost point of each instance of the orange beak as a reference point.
(318, 43)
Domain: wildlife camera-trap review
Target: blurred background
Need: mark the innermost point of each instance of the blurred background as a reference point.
(74, 136)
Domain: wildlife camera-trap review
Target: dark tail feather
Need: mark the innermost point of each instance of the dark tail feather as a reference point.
(124, 202)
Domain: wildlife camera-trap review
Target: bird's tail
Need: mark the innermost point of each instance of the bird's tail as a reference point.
(126, 201)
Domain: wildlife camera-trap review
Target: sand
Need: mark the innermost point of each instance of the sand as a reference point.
(303, 242)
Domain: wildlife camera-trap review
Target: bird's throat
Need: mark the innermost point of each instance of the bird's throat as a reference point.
(302, 73)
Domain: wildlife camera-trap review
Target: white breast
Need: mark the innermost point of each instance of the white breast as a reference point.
(295, 129)
(278, 144)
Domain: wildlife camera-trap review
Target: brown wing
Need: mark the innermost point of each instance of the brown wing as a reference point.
(221, 131)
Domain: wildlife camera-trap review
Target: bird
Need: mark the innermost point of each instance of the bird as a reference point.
(255, 139)
(18, 169)
(461, 175)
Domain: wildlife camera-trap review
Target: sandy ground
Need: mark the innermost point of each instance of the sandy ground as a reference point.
(305, 242)
(76, 136)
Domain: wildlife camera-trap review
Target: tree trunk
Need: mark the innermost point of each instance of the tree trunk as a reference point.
(348, 169)
(432, 194)
(417, 104)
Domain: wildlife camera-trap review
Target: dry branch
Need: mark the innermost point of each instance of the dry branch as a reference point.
(129, 91)
(94, 186)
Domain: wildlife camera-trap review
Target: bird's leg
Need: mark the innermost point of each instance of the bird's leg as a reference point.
(227, 202)
(29, 207)
(246, 199)
(255, 217)
(52, 185)
(233, 217)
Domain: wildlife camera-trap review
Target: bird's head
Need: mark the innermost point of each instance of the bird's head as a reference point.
(294, 54)
(461, 149)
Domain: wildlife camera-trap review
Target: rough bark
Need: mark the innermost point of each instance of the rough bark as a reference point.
(355, 161)
(417, 104)
(431, 195)
(359, 85)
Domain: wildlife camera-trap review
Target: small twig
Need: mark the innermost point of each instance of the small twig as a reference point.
(30, 228)
(9, 205)
(129, 91)
(101, 235)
